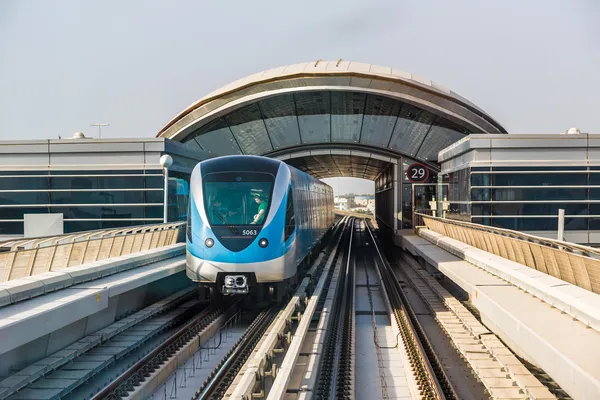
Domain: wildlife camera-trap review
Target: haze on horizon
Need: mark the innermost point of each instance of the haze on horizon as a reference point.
(66, 64)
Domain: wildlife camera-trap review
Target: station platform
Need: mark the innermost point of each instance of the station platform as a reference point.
(548, 337)
(43, 314)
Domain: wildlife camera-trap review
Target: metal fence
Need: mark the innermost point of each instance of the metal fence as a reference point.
(576, 264)
(27, 257)
(417, 217)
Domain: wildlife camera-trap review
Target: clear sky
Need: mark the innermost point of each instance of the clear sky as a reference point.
(532, 64)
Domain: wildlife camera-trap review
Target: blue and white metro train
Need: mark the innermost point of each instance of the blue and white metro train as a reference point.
(252, 221)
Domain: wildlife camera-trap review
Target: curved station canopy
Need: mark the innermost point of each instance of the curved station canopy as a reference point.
(330, 118)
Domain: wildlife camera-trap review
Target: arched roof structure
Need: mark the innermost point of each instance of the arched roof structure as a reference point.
(337, 117)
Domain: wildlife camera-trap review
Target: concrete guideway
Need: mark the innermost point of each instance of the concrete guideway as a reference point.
(540, 333)
(567, 297)
(29, 320)
(502, 374)
(66, 369)
(34, 328)
(28, 257)
(18, 290)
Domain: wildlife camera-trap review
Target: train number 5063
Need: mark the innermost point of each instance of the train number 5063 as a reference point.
(249, 232)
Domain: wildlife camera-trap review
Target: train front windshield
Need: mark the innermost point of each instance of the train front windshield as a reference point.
(237, 198)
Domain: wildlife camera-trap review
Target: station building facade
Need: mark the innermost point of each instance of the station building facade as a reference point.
(329, 119)
(519, 182)
(94, 184)
(338, 118)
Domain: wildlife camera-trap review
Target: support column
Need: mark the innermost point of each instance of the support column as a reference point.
(439, 195)
(397, 203)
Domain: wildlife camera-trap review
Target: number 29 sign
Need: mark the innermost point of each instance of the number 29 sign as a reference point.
(417, 172)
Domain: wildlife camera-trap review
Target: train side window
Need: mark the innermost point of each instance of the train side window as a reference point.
(290, 219)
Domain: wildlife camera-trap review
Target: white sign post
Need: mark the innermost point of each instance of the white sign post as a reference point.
(561, 224)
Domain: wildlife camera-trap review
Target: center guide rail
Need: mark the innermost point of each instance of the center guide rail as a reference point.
(280, 344)
(428, 371)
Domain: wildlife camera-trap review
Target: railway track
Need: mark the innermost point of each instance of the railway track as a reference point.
(354, 328)
(139, 371)
(81, 362)
(270, 330)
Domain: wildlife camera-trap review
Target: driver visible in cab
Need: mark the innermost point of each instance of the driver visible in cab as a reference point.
(262, 210)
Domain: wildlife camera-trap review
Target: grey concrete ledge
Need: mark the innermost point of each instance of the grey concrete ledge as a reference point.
(573, 300)
(18, 290)
(562, 346)
(38, 369)
(28, 320)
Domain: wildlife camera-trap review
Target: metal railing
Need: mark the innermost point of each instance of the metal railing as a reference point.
(573, 263)
(417, 217)
(27, 257)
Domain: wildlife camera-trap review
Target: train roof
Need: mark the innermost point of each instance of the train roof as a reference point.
(242, 163)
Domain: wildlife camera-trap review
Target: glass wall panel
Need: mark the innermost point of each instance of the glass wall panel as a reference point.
(381, 114)
(192, 144)
(480, 194)
(594, 193)
(411, 129)
(442, 134)
(22, 173)
(538, 193)
(522, 224)
(539, 224)
(594, 178)
(314, 117)
(594, 223)
(24, 183)
(154, 211)
(216, 137)
(102, 172)
(249, 130)
(179, 190)
(12, 228)
(17, 212)
(539, 208)
(106, 211)
(98, 182)
(458, 194)
(482, 220)
(346, 116)
(481, 179)
(280, 119)
(78, 226)
(595, 208)
(98, 197)
(544, 168)
(542, 179)
(24, 198)
(153, 182)
(481, 209)
(153, 196)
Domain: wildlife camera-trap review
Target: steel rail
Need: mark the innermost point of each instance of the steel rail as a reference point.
(328, 370)
(279, 331)
(138, 371)
(340, 366)
(215, 387)
(279, 387)
(428, 369)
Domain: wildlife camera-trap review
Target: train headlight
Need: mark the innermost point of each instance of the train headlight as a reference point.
(263, 242)
(209, 242)
(229, 281)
